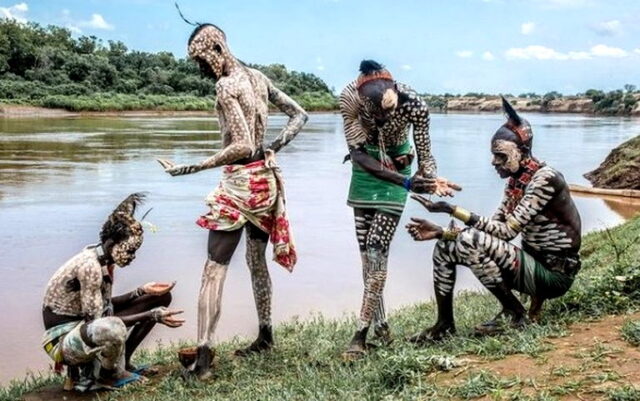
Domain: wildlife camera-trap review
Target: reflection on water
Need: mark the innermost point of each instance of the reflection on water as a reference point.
(625, 207)
(61, 177)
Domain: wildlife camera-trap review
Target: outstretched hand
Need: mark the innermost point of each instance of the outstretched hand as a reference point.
(153, 288)
(434, 207)
(423, 230)
(445, 187)
(166, 316)
(180, 169)
(422, 185)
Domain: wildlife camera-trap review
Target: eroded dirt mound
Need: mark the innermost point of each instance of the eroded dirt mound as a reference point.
(621, 169)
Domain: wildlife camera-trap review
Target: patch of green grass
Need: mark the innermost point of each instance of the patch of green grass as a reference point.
(483, 383)
(625, 393)
(631, 332)
(306, 363)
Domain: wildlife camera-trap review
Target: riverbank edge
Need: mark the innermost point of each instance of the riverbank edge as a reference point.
(310, 349)
(460, 104)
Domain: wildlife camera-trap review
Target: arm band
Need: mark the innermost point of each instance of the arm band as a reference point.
(461, 214)
(450, 234)
(406, 183)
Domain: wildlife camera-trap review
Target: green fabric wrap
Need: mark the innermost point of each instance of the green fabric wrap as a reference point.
(367, 191)
(535, 279)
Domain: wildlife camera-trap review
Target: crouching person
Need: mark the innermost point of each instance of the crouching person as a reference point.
(537, 205)
(91, 333)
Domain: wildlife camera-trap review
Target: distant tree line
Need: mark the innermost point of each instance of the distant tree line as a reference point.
(49, 67)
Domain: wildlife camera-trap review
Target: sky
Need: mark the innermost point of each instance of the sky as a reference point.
(455, 46)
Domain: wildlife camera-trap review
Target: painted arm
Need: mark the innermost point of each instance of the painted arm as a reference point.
(240, 145)
(90, 278)
(539, 192)
(356, 139)
(426, 161)
(297, 117)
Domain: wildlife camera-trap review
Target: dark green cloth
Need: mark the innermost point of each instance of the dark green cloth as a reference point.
(535, 279)
(367, 191)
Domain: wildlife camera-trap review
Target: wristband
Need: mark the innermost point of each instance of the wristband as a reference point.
(450, 234)
(461, 214)
(406, 183)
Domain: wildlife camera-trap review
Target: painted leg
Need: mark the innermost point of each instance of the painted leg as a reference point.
(444, 279)
(378, 239)
(262, 292)
(209, 308)
(141, 329)
(491, 260)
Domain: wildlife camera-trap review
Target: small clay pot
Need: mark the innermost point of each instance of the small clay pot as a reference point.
(187, 356)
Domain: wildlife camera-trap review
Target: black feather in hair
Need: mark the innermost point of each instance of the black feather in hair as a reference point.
(370, 66)
(512, 114)
(183, 18)
(128, 206)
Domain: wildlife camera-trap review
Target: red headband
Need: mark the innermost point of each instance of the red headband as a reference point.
(382, 74)
(523, 131)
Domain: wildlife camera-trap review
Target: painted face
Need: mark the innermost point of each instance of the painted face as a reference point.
(209, 49)
(124, 252)
(382, 108)
(506, 157)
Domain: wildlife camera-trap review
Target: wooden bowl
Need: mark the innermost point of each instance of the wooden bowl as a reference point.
(187, 356)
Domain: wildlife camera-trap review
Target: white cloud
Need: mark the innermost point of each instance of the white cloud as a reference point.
(406, 67)
(607, 28)
(607, 51)
(637, 51)
(73, 28)
(527, 28)
(565, 3)
(488, 56)
(16, 12)
(96, 22)
(320, 68)
(534, 52)
(537, 52)
(464, 53)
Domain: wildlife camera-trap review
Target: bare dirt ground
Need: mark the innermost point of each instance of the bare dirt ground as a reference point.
(582, 366)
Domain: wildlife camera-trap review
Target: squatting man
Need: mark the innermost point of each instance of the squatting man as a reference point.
(88, 330)
(537, 205)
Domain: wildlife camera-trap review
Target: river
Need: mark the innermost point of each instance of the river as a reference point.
(60, 178)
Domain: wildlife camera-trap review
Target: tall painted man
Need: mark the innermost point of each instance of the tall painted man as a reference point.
(377, 113)
(537, 205)
(250, 194)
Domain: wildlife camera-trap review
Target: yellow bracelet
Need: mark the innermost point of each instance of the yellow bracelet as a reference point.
(461, 214)
(450, 234)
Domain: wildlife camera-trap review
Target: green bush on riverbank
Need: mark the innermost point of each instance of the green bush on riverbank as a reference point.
(46, 66)
(306, 363)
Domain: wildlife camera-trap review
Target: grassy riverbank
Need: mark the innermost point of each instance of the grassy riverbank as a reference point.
(306, 363)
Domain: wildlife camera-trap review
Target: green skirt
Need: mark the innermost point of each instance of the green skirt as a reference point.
(369, 192)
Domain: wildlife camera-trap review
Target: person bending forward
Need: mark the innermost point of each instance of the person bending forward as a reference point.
(377, 113)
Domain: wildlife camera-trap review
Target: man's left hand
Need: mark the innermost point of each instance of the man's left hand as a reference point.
(423, 230)
(157, 289)
(180, 169)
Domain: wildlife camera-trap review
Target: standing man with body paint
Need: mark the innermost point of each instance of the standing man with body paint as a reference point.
(377, 114)
(537, 204)
(251, 193)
